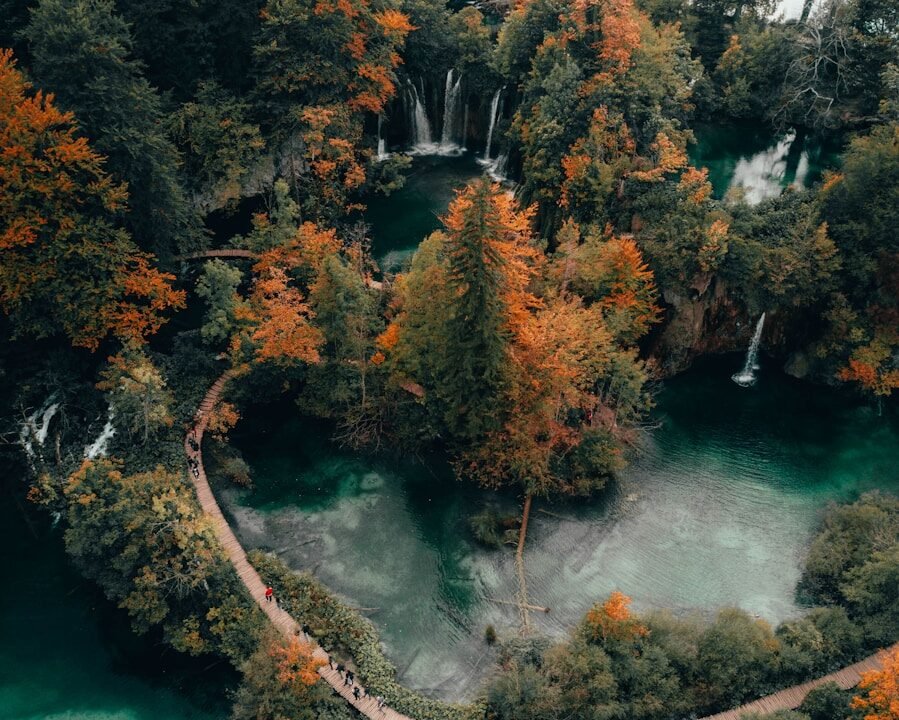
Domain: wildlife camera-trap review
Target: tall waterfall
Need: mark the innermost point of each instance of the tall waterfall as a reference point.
(452, 105)
(494, 111)
(746, 376)
(382, 146)
(421, 127)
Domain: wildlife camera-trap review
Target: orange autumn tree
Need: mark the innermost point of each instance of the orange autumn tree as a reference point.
(602, 109)
(462, 305)
(276, 320)
(297, 665)
(880, 697)
(608, 270)
(872, 365)
(546, 442)
(510, 376)
(613, 620)
(67, 265)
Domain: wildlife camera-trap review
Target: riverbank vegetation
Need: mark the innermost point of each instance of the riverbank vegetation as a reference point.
(524, 336)
(656, 665)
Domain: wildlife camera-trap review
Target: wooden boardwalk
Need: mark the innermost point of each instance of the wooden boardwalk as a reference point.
(224, 253)
(787, 699)
(283, 621)
(792, 697)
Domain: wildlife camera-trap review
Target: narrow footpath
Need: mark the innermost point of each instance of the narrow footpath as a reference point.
(282, 621)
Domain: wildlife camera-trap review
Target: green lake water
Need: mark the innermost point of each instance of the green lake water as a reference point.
(67, 654)
(747, 158)
(716, 509)
(403, 219)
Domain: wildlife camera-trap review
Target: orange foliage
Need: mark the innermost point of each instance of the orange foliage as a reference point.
(715, 246)
(632, 283)
(612, 30)
(306, 251)
(507, 243)
(282, 333)
(65, 264)
(388, 339)
(597, 160)
(221, 419)
(669, 158)
(870, 366)
(696, 184)
(394, 23)
(881, 700)
(297, 666)
(612, 620)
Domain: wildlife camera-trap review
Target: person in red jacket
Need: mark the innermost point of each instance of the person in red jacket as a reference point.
(269, 594)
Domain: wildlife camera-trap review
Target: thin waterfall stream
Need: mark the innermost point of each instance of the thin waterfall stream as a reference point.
(494, 111)
(746, 376)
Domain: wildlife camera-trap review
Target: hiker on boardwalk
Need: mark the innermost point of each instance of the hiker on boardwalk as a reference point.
(356, 693)
(348, 678)
(269, 594)
(380, 701)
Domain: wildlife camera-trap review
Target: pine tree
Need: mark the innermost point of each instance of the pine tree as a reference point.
(82, 51)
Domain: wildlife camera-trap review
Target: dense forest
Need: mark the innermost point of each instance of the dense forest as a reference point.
(524, 339)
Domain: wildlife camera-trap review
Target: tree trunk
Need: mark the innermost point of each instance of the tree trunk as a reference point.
(519, 566)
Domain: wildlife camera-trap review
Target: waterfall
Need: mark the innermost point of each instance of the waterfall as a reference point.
(421, 128)
(100, 446)
(382, 146)
(496, 169)
(452, 96)
(746, 376)
(494, 111)
(36, 426)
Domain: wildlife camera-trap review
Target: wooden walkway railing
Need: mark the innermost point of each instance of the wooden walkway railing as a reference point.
(792, 697)
(281, 620)
(224, 253)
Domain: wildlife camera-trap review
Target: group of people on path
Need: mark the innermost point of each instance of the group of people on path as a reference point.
(192, 461)
(349, 678)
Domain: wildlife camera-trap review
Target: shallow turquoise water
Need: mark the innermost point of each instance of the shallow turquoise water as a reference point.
(67, 654)
(749, 159)
(716, 508)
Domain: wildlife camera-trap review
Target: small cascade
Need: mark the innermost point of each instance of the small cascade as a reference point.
(422, 142)
(452, 106)
(100, 446)
(746, 376)
(36, 426)
(382, 146)
(496, 169)
(494, 112)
